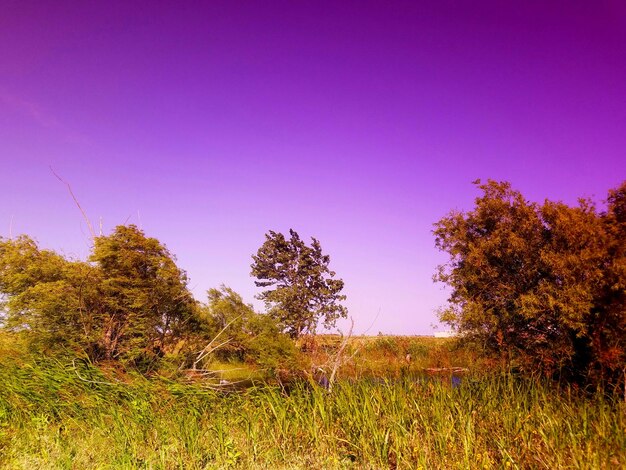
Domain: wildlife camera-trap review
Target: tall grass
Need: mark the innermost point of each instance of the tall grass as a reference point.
(59, 414)
(396, 356)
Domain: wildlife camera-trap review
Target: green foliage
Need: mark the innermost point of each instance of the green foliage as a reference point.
(52, 300)
(540, 282)
(129, 302)
(250, 336)
(304, 289)
(144, 295)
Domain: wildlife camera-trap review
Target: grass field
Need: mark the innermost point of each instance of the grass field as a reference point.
(68, 414)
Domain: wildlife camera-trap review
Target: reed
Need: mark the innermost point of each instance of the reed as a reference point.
(64, 414)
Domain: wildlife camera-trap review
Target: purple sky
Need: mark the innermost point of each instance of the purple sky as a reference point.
(359, 123)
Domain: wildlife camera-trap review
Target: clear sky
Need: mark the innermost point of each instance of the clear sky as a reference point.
(360, 123)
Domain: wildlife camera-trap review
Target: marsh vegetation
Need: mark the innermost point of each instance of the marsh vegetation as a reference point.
(59, 413)
(110, 362)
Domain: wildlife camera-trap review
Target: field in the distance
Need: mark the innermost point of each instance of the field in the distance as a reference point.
(55, 413)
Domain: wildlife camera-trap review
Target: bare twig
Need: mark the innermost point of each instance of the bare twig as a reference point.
(339, 356)
(435, 370)
(209, 348)
(205, 352)
(89, 381)
(218, 371)
(222, 385)
(69, 188)
(372, 324)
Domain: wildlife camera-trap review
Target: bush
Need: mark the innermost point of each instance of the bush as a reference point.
(543, 284)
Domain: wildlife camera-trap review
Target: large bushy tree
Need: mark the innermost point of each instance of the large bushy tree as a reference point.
(146, 301)
(608, 333)
(544, 282)
(48, 297)
(303, 290)
(129, 301)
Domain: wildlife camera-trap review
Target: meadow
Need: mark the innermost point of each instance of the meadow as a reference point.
(384, 412)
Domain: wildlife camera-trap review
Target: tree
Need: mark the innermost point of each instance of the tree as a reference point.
(54, 301)
(227, 315)
(304, 288)
(533, 281)
(129, 302)
(247, 335)
(493, 262)
(608, 331)
(144, 294)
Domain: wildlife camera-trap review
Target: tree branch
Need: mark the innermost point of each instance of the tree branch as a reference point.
(69, 188)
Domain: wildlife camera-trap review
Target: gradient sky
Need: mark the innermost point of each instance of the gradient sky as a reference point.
(360, 123)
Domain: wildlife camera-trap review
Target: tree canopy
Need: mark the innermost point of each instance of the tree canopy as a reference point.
(303, 288)
(129, 301)
(545, 282)
(144, 293)
(248, 335)
(47, 296)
